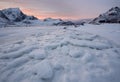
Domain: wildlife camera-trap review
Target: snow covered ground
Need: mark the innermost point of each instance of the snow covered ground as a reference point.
(109, 31)
(89, 53)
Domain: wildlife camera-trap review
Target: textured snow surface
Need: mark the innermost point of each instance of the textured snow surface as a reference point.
(54, 54)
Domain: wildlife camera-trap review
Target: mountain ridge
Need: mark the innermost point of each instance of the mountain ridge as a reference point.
(15, 17)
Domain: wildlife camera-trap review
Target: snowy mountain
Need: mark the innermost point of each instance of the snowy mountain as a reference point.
(56, 22)
(51, 21)
(14, 16)
(111, 16)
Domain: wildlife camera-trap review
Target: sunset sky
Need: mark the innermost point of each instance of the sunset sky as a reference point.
(65, 9)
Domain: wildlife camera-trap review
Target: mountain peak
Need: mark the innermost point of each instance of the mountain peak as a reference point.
(13, 14)
(111, 16)
(12, 9)
(115, 9)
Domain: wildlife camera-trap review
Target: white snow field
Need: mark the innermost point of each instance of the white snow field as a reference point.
(89, 53)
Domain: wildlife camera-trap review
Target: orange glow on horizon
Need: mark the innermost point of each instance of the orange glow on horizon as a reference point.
(65, 9)
(41, 15)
